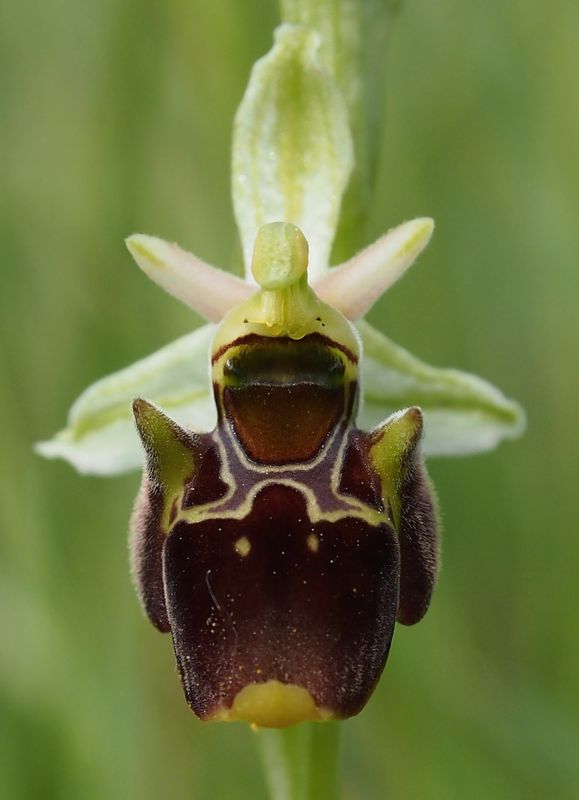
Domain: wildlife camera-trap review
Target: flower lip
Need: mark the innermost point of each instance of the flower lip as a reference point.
(320, 618)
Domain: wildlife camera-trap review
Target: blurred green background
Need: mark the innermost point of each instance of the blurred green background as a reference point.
(116, 117)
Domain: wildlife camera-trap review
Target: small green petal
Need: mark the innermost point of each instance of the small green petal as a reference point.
(101, 437)
(292, 147)
(463, 414)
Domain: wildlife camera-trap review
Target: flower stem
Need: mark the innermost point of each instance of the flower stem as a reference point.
(301, 763)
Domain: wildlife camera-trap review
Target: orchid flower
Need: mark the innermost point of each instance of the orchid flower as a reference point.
(286, 411)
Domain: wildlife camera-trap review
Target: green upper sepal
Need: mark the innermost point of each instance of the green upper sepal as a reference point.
(292, 150)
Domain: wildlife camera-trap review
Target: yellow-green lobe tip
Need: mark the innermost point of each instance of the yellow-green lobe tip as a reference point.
(273, 704)
(280, 256)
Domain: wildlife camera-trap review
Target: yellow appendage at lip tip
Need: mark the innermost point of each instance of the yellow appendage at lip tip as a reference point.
(272, 705)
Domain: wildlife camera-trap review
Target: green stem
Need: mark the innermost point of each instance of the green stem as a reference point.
(301, 763)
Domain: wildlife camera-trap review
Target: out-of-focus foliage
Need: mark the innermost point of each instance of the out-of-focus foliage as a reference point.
(117, 117)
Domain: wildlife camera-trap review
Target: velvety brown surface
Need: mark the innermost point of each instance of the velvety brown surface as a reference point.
(205, 485)
(146, 546)
(357, 478)
(146, 534)
(418, 536)
(321, 619)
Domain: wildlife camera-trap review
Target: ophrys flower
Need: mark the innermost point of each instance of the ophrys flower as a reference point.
(276, 540)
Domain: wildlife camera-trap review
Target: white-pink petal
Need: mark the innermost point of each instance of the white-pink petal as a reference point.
(354, 286)
(209, 291)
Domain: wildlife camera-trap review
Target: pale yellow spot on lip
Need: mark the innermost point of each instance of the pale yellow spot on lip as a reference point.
(313, 542)
(272, 705)
(242, 546)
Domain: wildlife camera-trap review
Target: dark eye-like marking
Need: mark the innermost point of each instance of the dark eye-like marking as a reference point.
(284, 361)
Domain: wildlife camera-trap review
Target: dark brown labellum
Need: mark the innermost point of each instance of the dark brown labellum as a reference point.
(280, 549)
